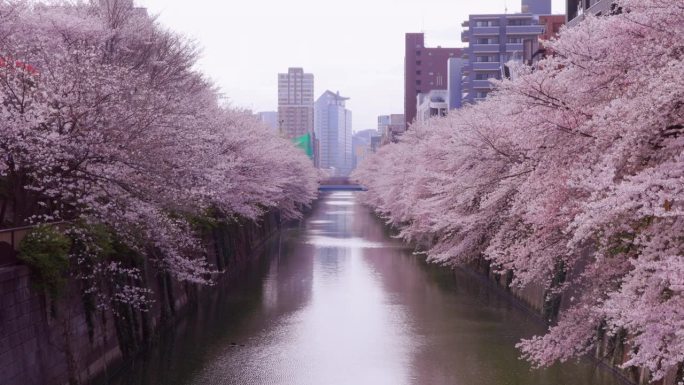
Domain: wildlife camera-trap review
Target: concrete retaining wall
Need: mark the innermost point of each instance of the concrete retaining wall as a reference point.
(45, 342)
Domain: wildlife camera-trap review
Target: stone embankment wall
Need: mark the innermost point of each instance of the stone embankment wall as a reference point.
(66, 341)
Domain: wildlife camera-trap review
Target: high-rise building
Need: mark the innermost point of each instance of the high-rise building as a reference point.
(333, 127)
(576, 9)
(494, 40)
(295, 103)
(425, 69)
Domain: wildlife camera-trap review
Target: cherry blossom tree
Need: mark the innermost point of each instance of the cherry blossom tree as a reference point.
(105, 122)
(569, 176)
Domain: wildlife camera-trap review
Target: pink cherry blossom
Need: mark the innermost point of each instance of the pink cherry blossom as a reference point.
(105, 121)
(570, 176)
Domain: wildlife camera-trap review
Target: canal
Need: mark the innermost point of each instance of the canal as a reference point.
(337, 301)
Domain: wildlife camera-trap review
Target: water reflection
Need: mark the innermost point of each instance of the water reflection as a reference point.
(339, 302)
(340, 203)
(335, 242)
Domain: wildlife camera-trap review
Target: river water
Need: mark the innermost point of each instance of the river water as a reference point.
(337, 301)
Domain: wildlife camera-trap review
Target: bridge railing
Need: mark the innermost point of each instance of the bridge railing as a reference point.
(347, 187)
(339, 184)
(336, 181)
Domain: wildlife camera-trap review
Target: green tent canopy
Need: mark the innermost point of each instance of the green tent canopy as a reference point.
(304, 142)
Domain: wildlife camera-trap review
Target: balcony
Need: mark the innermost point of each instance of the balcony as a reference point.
(485, 47)
(465, 36)
(487, 66)
(482, 84)
(524, 29)
(465, 24)
(514, 47)
(485, 31)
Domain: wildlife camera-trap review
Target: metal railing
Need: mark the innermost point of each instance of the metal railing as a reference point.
(10, 240)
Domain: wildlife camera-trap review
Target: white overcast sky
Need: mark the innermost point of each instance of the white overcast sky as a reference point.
(354, 46)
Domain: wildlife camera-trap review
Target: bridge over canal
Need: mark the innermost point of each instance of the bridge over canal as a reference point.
(340, 184)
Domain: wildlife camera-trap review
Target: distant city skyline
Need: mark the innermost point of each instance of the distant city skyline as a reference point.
(246, 44)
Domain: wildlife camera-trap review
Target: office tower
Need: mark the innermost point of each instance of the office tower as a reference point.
(295, 103)
(333, 127)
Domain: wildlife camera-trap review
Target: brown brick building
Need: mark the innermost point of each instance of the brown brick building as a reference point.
(425, 69)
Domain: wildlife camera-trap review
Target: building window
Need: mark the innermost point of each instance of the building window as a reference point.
(485, 75)
(418, 53)
(486, 59)
(418, 62)
(487, 23)
(519, 22)
(487, 41)
(417, 82)
(513, 56)
(418, 72)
